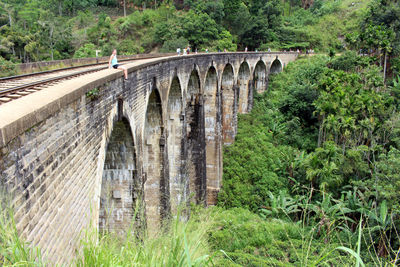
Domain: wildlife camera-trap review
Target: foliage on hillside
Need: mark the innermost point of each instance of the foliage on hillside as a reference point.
(271, 139)
(321, 148)
(324, 25)
(248, 239)
(45, 30)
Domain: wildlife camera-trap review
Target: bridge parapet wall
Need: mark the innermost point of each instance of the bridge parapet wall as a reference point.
(37, 66)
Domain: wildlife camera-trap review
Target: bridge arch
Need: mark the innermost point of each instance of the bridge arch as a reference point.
(195, 142)
(276, 66)
(212, 134)
(260, 77)
(153, 162)
(228, 104)
(120, 184)
(175, 121)
(119, 180)
(244, 88)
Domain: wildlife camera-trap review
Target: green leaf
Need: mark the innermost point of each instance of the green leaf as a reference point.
(352, 253)
(383, 211)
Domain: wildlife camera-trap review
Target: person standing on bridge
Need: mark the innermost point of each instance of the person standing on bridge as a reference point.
(113, 62)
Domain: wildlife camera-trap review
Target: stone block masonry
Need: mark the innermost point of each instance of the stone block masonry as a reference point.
(120, 188)
(69, 161)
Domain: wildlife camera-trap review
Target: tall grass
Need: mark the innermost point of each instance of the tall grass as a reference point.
(214, 237)
(179, 243)
(13, 250)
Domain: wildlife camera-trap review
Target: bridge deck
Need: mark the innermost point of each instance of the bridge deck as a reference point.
(25, 112)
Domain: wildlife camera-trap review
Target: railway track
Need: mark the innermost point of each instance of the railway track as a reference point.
(15, 87)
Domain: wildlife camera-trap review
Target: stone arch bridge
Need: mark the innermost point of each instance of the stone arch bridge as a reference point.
(84, 150)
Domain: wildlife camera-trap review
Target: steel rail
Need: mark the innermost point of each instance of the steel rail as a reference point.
(16, 77)
(9, 94)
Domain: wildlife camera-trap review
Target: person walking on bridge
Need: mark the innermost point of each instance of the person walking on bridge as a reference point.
(113, 62)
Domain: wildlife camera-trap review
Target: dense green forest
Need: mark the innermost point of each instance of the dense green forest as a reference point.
(37, 30)
(320, 151)
(320, 154)
(313, 176)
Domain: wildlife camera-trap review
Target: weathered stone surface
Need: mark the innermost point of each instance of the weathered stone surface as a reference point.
(120, 186)
(61, 152)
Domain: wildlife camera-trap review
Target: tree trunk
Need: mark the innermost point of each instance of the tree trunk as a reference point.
(283, 7)
(124, 8)
(10, 19)
(380, 57)
(51, 42)
(384, 67)
(60, 8)
(72, 8)
(321, 131)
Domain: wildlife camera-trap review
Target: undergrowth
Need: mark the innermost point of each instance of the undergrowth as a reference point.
(179, 243)
(326, 187)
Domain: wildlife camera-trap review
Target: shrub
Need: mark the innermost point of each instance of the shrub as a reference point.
(172, 45)
(7, 68)
(349, 61)
(129, 47)
(88, 50)
(248, 240)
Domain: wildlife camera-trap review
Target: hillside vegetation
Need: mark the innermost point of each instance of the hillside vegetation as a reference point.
(320, 151)
(37, 30)
(46, 30)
